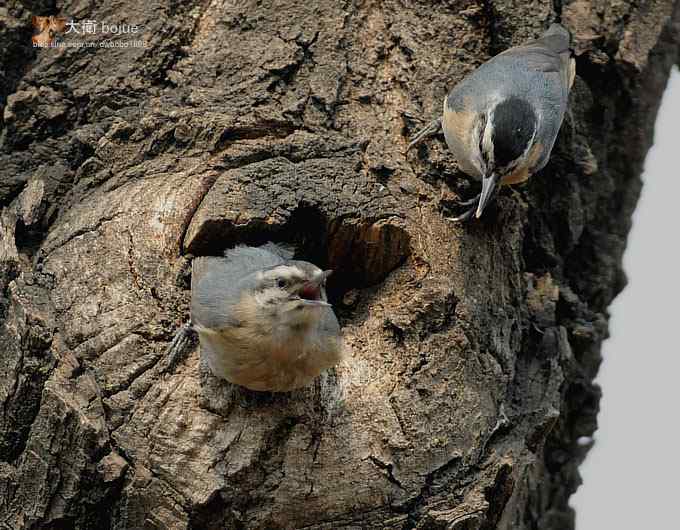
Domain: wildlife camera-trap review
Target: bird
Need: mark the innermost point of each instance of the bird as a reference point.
(263, 319)
(501, 121)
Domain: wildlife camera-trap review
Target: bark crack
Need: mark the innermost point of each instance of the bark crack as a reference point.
(388, 469)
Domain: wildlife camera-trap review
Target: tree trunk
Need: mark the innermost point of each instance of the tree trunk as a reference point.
(467, 388)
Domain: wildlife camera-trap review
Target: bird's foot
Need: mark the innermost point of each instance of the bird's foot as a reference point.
(468, 213)
(470, 202)
(432, 128)
(516, 193)
(178, 348)
(463, 217)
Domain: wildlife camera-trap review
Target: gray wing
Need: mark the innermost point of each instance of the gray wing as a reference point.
(245, 260)
(548, 54)
(279, 249)
(329, 323)
(217, 283)
(213, 292)
(542, 67)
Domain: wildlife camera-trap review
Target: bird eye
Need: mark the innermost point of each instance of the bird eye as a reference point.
(281, 283)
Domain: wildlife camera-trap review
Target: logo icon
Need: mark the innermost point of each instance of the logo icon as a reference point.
(46, 30)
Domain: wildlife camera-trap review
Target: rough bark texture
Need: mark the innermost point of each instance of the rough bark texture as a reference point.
(471, 348)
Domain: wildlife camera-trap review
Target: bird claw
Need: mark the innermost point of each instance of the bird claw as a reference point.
(463, 217)
(470, 202)
(431, 128)
(468, 213)
(178, 347)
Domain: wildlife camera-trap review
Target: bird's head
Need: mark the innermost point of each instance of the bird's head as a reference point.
(292, 295)
(505, 134)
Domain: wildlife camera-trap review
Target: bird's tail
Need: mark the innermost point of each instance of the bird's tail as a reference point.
(557, 38)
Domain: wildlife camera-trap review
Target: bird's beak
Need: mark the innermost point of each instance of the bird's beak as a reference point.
(310, 291)
(489, 185)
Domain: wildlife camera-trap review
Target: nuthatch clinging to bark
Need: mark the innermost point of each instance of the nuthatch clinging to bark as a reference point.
(263, 319)
(502, 120)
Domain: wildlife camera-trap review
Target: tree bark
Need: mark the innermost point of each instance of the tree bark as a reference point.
(466, 398)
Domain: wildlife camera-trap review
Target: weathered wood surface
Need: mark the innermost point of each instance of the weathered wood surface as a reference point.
(471, 349)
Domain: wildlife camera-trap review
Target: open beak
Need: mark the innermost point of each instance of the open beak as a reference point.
(310, 291)
(489, 186)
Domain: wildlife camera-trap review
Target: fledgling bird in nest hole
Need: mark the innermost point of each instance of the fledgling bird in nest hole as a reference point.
(263, 319)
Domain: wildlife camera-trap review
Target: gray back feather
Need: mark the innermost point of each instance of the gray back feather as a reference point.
(217, 283)
(528, 66)
(280, 249)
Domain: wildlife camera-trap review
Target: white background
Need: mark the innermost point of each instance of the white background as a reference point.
(631, 478)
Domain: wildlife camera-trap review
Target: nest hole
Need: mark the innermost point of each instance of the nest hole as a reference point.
(361, 252)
